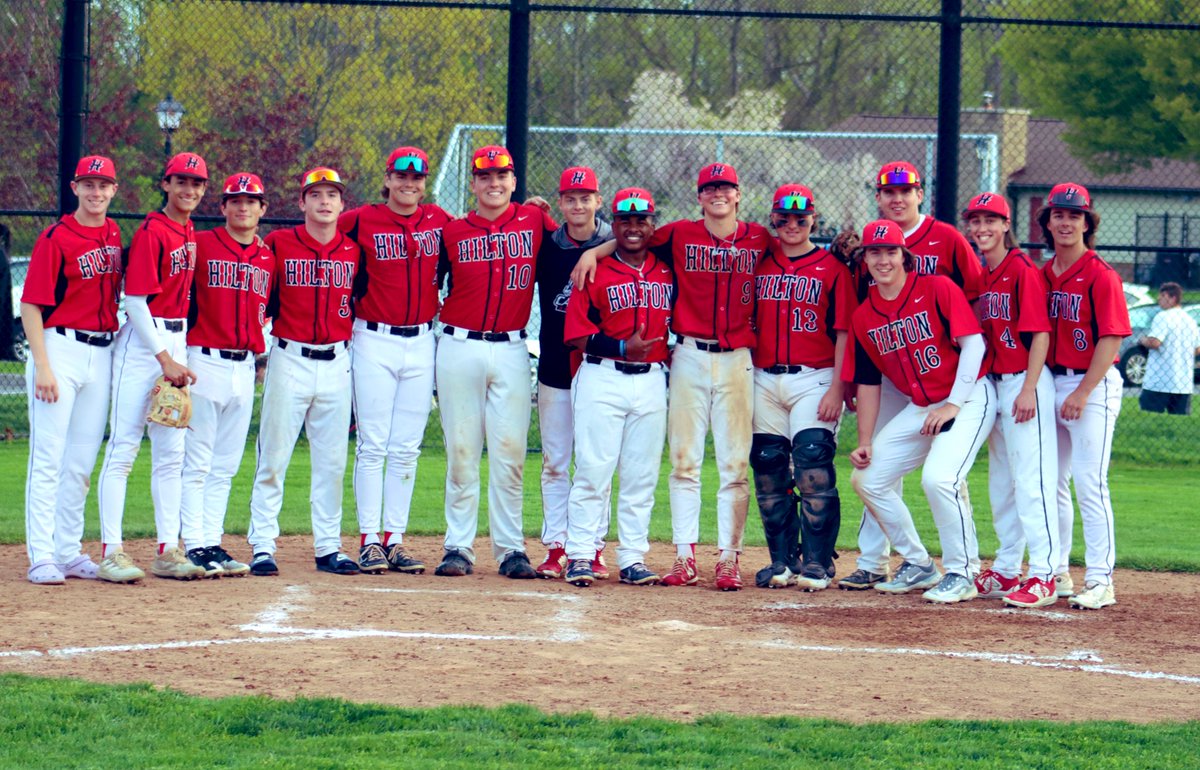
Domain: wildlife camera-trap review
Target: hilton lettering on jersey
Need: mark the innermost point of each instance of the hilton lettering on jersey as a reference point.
(719, 259)
(1065, 305)
(633, 294)
(101, 261)
(901, 333)
(622, 300)
(395, 245)
(1086, 303)
(230, 293)
(319, 273)
(995, 305)
(485, 248)
(788, 288)
(75, 275)
(161, 263)
(236, 275)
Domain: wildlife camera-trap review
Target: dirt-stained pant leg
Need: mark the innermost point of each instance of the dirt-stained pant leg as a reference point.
(688, 409)
(732, 423)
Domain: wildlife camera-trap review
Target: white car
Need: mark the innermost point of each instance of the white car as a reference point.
(19, 266)
(1137, 294)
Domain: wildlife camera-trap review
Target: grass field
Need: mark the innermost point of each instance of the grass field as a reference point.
(56, 723)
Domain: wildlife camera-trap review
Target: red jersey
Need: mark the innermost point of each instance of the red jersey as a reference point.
(396, 283)
(160, 263)
(75, 275)
(491, 266)
(1086, 302)
(621, 300)
(310, 295)
(1012, 308)
(230, 293)
(941, 249)
(911, 339)
(715, 278)
(800, 305)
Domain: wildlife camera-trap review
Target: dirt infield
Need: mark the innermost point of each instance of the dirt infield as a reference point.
(614, 649)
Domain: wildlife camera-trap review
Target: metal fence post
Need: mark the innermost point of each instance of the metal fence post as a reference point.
(517, 118)
(73, 76)
(949, 105)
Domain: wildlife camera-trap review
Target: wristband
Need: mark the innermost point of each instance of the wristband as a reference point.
(600, 344)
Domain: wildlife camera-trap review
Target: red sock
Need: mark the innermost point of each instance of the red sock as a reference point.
(162, 548)
(387, 538)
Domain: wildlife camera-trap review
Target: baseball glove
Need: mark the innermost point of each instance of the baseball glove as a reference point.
(844, 245)
(169, 405)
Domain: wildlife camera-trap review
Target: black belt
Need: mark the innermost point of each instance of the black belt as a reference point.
(707, 347)
(489, 336)
(620, 366)
(171, 326)
(228, 355)
(786, 369)
(102, 340)
(316, 354)
(400, 331)
(1062, 370)
(996, 377)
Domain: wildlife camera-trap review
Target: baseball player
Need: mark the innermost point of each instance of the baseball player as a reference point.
(308, 374)
(69, 312)
(804, 298)
(153, 344)
(712, 379)
(578, 200)
(396, 298)
(1022, 453)
(939, 249)
(482, 365)
(225, 332)
(1088, 318)
(921, 333)
(620, 322)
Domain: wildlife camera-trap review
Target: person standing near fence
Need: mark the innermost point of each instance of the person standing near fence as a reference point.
(153, 344)
(69, 312)
(395, 300)
(1088, 318)
(1022, 447)
(234, 268)
(938, 248)
(482, 368)
(308, 374)
(1173, 342)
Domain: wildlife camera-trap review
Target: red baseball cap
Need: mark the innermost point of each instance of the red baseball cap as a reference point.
(578, 179)
(633, 201)
(96, 167)
(793, 199)
(411, 159)
(988, 203)
(243, 183)
(492, 158)
(882, 232)
(187, 164)
(1069, 195)
(321, 175)
(717, 173)
(898, 173)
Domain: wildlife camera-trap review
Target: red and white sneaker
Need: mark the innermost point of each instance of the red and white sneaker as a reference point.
(599, 567)
(1034, 592)
(556, 561)
(683, 573)
(729, 578)
(992, 585)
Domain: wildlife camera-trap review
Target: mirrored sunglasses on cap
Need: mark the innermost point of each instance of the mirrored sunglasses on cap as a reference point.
(899, 177)
(319, 175)
(1070, 198)
(412, 163)
(797, 204)
(501, 161)
(633, 206)
(243, 186)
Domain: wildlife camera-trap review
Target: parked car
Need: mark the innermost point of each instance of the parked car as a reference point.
(1137, 294)
(1133, 355)
(18, 267)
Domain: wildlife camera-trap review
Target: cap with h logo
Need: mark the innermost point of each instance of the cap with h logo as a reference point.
(578, 179)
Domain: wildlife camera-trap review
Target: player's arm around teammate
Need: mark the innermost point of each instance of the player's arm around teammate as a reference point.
(482, 367)
(804, 300)
(1022, 447)
(1088, 318)
(69, 312)
(578, 201)
(225, 332)
(308, 374)
(919, 332)
(153, 344)
(619, 397)
(396, 299)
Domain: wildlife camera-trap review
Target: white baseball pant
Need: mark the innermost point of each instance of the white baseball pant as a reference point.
(302, 392)
(393, 393)
(1084, 451)
(484, 392)
(718, 389)
(222, 404)
(900, 448)
(620, 425)
(873, 545)
(64, 439)
(556, 427)
(1022, 477)
(134, 372)
(785, 404)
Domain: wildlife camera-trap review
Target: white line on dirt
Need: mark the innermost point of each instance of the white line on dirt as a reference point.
(1011, 612)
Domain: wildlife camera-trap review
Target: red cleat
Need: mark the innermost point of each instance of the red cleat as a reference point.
(556, 561)
(729, 578)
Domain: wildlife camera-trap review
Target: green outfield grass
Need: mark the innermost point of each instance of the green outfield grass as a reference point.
(1155, 511)
(62, 723)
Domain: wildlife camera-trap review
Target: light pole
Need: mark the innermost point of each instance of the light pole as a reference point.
(170, 115)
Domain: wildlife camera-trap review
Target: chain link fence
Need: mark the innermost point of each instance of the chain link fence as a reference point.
(645, 91)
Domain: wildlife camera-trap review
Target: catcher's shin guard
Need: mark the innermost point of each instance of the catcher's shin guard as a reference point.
(813, 451)
(769, 457)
